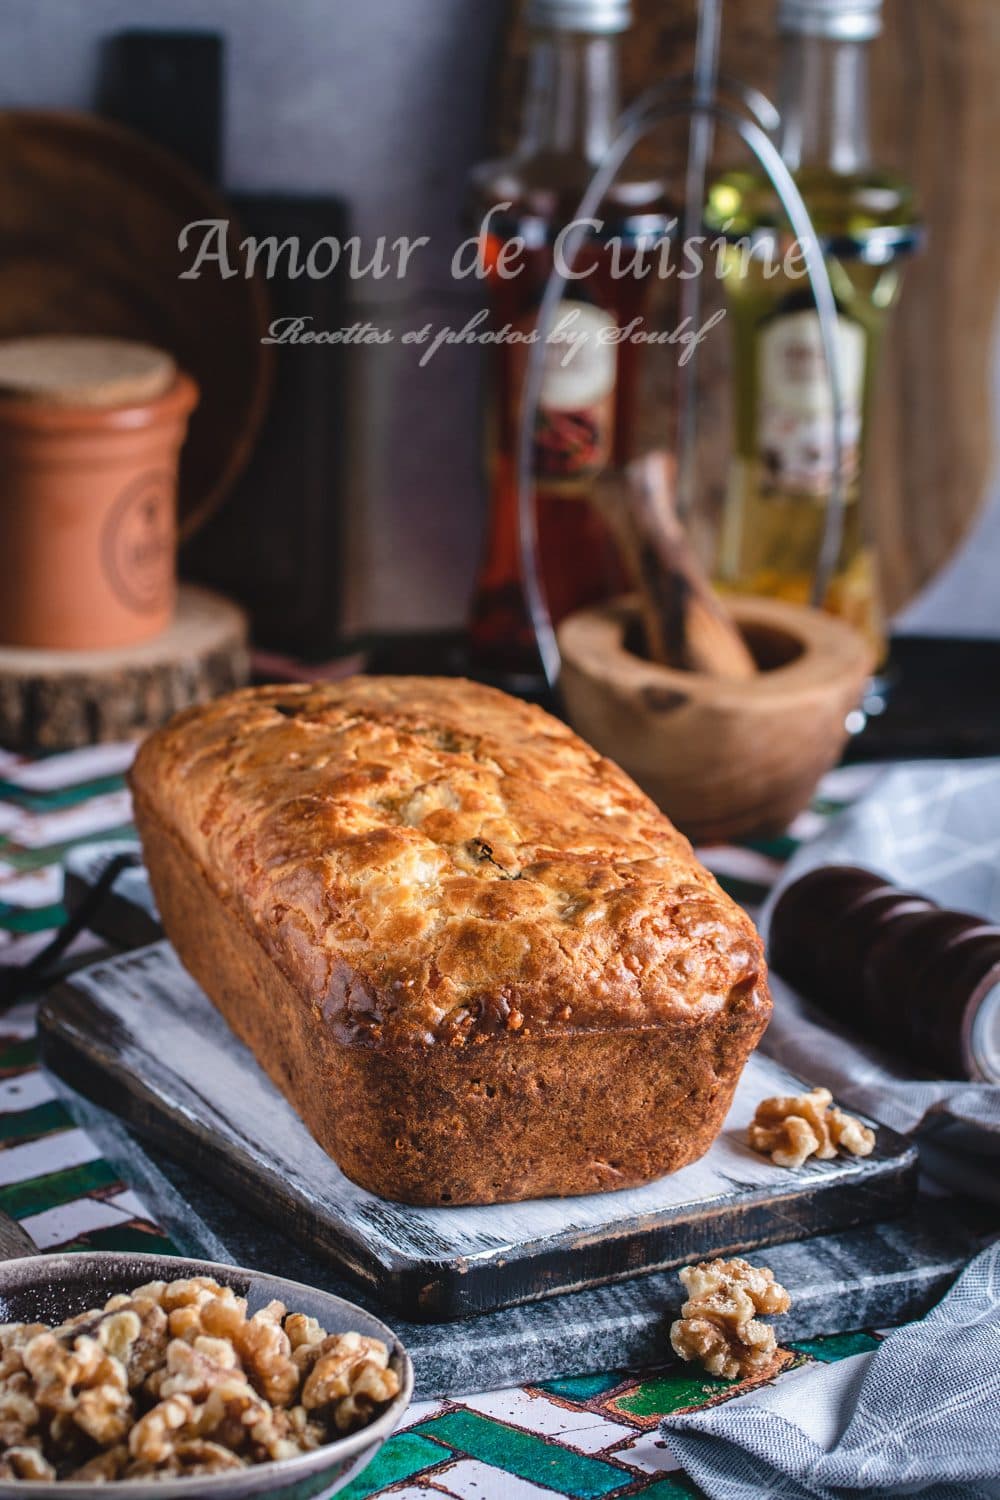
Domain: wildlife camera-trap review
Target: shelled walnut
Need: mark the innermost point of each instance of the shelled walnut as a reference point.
(793, 1127)
(176, 1379)
(718, 1326)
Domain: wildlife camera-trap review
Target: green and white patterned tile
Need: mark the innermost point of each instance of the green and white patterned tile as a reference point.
(53, 1178)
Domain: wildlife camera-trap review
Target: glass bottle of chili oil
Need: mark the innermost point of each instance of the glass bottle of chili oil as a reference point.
(587, 409)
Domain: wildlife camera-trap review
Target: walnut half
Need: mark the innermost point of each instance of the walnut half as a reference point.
(793, 1127)
(718, 1325)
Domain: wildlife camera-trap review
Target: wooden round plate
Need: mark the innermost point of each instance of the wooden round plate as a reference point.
(89, 221)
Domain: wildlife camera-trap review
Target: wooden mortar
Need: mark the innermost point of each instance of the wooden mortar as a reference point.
(723, 759)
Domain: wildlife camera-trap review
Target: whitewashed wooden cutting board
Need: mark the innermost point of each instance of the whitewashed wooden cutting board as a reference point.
(137, 1035)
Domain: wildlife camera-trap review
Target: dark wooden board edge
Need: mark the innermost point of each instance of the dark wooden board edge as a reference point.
(439, 1291)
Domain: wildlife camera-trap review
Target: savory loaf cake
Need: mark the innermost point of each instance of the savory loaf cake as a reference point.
(474, 956)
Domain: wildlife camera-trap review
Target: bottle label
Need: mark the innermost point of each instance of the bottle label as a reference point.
(795, 409)
(574, 428)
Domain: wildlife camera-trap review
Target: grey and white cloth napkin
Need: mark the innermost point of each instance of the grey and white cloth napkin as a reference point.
(918, 1416)
(932, 827)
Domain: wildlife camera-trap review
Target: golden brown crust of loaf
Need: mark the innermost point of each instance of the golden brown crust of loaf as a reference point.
(514, 1117)
(428, 860)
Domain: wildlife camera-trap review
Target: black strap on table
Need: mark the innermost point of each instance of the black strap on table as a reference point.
(18, 981)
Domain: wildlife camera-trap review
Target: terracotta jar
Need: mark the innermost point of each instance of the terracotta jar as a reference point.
(88, 497)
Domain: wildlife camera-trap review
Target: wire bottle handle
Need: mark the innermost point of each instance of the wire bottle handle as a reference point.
(671, 100)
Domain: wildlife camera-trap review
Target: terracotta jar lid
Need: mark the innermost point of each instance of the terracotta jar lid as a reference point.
(90, 438)
(83, 371)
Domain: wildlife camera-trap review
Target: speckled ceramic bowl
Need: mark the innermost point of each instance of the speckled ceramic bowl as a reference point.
(49, 1288)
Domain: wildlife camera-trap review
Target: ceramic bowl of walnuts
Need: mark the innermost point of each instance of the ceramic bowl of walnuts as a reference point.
(165, 1377)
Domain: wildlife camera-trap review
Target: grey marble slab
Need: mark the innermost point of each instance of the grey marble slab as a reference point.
(867, 1278)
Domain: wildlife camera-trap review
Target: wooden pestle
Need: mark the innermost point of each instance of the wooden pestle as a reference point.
(684, 621)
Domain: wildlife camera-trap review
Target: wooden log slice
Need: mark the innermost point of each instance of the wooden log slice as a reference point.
(57, 700)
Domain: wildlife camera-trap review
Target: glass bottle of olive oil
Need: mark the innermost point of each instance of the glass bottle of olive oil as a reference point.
(783, 467)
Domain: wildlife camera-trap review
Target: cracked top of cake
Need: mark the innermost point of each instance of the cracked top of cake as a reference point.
(428, 860)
